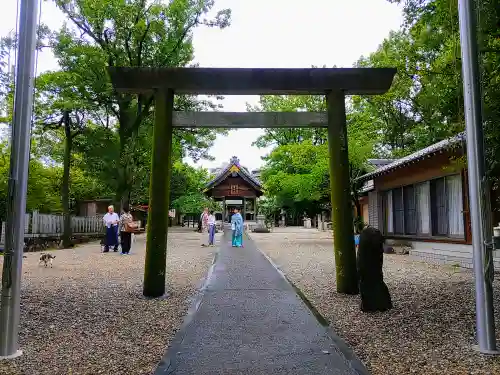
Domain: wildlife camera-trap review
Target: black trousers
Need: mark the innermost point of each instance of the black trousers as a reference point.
(126, 241)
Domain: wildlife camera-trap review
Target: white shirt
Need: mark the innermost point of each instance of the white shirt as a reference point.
(110, 219)
(211, 220)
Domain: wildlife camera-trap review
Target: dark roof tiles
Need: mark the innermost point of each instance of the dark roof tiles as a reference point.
(432, 149)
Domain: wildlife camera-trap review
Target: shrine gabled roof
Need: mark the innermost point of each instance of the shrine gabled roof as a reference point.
(234, 166)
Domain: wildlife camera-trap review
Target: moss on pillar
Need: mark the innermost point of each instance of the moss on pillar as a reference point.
(342, 219)
(159, 196)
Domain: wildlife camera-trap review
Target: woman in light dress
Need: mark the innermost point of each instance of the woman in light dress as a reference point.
(237, 228)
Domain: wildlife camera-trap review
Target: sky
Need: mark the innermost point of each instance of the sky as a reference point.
(266, 34)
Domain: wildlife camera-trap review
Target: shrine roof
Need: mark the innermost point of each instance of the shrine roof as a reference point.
(235, 167)
(429, 151)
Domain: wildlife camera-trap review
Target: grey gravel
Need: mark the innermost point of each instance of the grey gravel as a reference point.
(429, 331)
(85, 315)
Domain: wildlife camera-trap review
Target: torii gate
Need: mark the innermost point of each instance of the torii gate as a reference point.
(335, 83)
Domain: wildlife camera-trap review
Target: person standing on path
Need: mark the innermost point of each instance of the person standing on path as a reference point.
(204, 220)
(111, 220)
(211, 228)
(127, 228)
(237, 228)
(203, 223)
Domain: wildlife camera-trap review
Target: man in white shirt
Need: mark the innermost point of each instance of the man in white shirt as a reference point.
(111, 220)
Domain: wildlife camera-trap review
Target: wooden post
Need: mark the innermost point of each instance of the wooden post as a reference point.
(342, 219)
(223, 210)
(159, 196)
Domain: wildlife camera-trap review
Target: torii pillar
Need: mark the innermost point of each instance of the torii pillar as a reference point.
(159, 195)
(342, 217)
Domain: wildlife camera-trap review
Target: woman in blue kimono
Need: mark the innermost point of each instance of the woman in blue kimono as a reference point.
(237, 228)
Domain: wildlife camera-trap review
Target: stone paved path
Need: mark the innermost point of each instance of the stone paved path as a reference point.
(249, 320)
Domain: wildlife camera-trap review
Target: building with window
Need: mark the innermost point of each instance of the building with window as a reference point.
(235, 187)
(421, 200)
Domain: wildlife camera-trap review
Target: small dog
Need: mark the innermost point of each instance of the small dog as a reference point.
(46, 259)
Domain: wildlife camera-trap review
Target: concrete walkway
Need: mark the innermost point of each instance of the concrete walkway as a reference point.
(249, 320)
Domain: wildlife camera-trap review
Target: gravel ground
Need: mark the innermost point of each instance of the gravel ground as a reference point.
(431, 328)
(85, 315)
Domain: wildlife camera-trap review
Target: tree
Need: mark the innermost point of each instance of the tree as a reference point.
(296, 176)
(363, 142)
(186, 189)
(424, 104)
(7, 47)
(290, 103)
(60, 111)
(194, 203)
(135, 33)
(43, 192)
(269, 208)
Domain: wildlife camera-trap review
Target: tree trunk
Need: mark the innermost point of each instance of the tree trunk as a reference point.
(68, 146)
(123, 189)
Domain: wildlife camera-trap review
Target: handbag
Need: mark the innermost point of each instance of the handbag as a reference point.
(130, 226)
(233, 226)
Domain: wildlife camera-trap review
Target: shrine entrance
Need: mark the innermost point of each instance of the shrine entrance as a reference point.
(333, 83)
(234, 187)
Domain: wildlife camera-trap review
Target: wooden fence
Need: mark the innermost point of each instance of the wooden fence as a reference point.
(43, 225)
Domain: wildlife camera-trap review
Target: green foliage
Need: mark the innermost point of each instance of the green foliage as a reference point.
(138, 34)
(289, 103)
(43, 185)
(186, 194)
(268, 206)
(7, 48)
(296, 173)
(192, 203)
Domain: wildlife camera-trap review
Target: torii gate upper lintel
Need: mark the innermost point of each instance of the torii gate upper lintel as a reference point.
(335, 83)
(254, 81)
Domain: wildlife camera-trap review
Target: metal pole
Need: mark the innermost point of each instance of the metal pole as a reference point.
(480, 211)
(18, 181)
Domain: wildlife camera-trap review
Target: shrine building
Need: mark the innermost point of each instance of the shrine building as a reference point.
(235, 187)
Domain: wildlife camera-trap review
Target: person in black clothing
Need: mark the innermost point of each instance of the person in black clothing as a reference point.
(127, 228)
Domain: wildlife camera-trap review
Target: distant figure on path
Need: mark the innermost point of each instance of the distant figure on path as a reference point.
(211, 228)
(204, 220)
(111, 220)
(127, 228)
(237, 228)
(203, 223)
